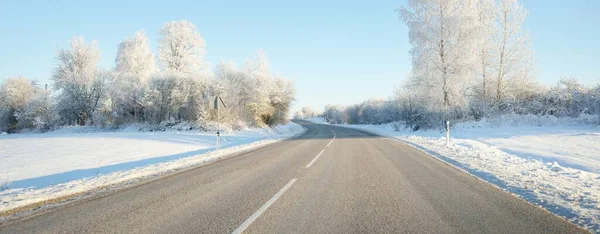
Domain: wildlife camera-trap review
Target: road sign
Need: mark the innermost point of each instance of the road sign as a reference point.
(216, 103)
(216, 107)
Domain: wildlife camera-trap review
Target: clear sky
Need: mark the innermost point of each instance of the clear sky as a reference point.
(337, 52)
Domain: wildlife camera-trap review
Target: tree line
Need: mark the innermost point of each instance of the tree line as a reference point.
(178, 87)
(471, 59)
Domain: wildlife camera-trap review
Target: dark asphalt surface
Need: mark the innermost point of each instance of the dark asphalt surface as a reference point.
(361, 183)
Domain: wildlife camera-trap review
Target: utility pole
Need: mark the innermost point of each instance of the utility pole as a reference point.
(216, 107)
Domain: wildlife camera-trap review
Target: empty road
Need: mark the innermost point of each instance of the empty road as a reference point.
(328, 180)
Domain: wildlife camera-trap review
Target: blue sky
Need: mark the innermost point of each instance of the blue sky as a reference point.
(337, 52)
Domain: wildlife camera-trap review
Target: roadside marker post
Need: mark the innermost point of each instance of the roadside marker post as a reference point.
(447, 132)
(216, 107)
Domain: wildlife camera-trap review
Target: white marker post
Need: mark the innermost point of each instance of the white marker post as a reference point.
(216, 107)
(447, 132)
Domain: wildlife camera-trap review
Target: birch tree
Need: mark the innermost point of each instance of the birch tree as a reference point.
(513, 52)
(443, 35)
(485, 21)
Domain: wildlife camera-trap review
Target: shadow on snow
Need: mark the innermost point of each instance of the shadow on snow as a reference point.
(314, 132)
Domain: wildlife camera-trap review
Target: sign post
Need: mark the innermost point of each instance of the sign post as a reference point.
(216, 107)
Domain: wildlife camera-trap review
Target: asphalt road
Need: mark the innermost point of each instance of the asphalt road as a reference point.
(355, 183)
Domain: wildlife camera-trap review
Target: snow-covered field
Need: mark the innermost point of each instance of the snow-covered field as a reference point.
(38, 167)
(555, 167)
(576, 148)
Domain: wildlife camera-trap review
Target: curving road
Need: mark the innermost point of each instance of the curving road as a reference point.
(328, 180)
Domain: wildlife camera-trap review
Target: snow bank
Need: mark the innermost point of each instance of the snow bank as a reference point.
(39, 167)
(523, 161)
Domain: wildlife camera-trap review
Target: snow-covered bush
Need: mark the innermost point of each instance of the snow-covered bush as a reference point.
(306, 112)
(25, 105)
(334, 114)
(15, 95)
(373, 111)
(568, 104)
(134, 66)
(81, 85)
(137, 92)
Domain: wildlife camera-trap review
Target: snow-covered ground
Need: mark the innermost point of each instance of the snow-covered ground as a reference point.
(39, 167)
(557, 168)
(576, 147)
(316, 120)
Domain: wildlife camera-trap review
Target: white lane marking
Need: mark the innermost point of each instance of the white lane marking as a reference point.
(262, 209)
(323, 150)
(315, 159)
(331, 138)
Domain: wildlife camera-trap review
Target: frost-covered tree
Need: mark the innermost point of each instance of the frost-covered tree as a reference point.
(307, 112)
(567, 99)
(260, 86)
(40, 112)
(180, 53)
(177, 97)
(443, 35)
(233, 86)
(160, 98)
(134, 57)
(135, 91)
(194, 96)
(334, 114)
(23, 104)
(134, 66)
(81, 85)
(485, 21)
(181, 48)
(374, 111)
(15, 95)
(593, 102)
(513, 54)
(254, 95)
(281, 97)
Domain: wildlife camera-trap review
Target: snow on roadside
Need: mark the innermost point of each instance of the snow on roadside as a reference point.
(568, 192)
(576, 148)
(117, 158)
(319, 120)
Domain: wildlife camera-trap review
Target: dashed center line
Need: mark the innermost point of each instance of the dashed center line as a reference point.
(331, 139)
(323, 150)
(262, 209)
(315, 159)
